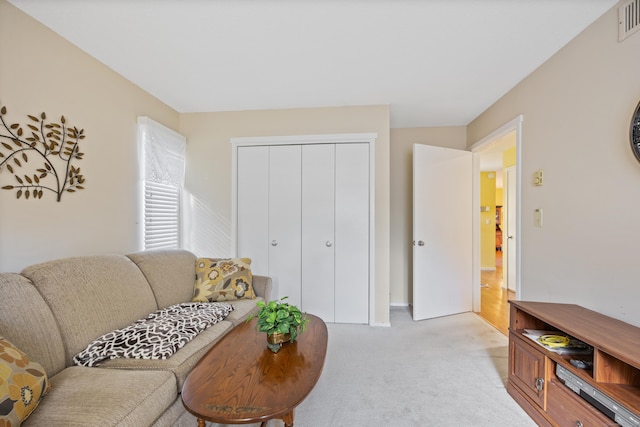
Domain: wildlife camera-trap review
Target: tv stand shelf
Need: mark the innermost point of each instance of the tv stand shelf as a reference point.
(532, 379)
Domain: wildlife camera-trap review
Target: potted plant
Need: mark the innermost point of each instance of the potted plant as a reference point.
(281, 321)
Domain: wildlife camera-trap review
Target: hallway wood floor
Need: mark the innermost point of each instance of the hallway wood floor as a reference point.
(493, 297)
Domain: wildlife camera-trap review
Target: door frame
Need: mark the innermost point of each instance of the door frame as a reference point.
(477, 148)
(343, 138)
(509, 205)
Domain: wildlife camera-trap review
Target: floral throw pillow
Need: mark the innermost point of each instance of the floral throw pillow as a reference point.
(223, 279)
(22, 384)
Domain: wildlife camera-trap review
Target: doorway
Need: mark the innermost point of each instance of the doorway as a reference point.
(496, 222)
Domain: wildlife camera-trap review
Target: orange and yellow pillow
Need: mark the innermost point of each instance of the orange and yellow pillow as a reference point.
(23, 383)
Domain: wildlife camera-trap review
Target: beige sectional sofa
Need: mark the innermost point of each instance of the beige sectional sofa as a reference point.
(53, 310)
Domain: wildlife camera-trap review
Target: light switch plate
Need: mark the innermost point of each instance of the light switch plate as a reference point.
(537, 217)
(538, 178)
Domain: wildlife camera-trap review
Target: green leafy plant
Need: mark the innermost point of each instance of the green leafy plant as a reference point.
(282, 317)
(50, 146)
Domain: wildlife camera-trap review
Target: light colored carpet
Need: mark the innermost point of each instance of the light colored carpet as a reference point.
(449, 371)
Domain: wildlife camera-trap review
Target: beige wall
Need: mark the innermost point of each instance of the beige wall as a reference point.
(577, 109)
(402, 141)
(41, 72)
(209, 171)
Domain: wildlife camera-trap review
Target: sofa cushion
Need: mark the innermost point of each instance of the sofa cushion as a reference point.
(92, 295)
(27, 321)
(182, 362)
(242, 309)
(23, 383)
(223, 279)
(95, 397)
(175, 417)
(170, 273)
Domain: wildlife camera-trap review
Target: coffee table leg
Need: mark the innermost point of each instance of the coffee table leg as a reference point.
(288, 419)
(201, 423)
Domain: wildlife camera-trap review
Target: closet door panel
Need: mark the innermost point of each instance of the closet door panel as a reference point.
(285, 215)
(252, 201)
(352, 233)
(318, 166)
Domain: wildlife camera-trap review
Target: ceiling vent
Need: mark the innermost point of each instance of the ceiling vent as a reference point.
(628, 18)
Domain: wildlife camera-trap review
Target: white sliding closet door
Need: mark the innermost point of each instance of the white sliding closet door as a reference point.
(303, 217)
(335, 232)
(285, 221)
(318, 174)
(352, 233)
(252, 201)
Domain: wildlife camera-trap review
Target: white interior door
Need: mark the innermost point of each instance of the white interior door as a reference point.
(285, 218)
(318, 184)
(509, 238)
(442, 231)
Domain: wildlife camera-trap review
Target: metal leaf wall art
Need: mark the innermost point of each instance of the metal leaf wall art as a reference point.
(38, 157)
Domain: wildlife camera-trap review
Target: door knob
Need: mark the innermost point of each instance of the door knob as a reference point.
(274, 243)
(329, 243)
(420, 243)
(509, 237)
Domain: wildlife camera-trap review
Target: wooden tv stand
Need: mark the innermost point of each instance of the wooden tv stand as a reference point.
(532, 368)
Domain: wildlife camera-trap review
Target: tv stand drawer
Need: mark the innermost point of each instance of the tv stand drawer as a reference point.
(570, 410)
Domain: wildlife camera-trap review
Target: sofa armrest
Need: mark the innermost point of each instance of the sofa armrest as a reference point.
(262, 285)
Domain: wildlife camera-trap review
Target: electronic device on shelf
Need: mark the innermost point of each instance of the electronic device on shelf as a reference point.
(581, 364)
(595, 397)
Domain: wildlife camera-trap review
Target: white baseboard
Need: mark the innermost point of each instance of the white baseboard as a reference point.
(399, 304)
(381, 324)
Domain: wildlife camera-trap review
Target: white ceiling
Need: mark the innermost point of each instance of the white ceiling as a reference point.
(435, 62)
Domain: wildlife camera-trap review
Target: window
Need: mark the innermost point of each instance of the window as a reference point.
(162, 165)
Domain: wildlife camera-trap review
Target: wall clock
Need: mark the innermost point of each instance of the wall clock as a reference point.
(634, 132)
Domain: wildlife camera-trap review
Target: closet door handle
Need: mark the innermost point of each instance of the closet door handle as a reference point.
(329, 243)
(274, 243)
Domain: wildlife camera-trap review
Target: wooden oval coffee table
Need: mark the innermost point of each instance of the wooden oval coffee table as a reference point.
(241, 381)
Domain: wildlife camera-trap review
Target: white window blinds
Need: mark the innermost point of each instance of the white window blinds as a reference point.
(162, 165)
